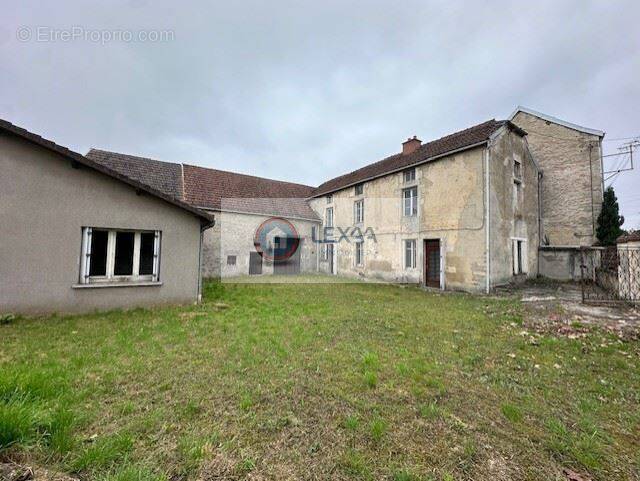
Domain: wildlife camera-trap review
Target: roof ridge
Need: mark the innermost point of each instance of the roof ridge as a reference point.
(423, 147)
(251, 176)
(183, 164)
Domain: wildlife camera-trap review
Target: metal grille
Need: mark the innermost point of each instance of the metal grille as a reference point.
(610, 275)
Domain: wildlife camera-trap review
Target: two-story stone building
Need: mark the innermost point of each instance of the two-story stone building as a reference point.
(460, 212)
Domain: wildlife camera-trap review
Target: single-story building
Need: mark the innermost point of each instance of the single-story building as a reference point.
(77, 236)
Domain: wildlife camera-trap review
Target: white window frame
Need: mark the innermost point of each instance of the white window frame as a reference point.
(410, 204)
(523, 267)
(358, 189)
(328, 217)
(358, 211)
(329, 198)
(358, 246)
(409, 175)
(110, 277)
(412, 246)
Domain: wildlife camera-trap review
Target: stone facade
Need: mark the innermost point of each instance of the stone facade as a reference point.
(571, 187)
(451, 209)
(232, 236)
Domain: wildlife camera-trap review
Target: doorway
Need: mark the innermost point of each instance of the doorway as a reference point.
(432, 263)
(330, 258)
(255, 264)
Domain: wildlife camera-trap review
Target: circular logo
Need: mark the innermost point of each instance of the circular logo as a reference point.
(276, 239)
(23, 34)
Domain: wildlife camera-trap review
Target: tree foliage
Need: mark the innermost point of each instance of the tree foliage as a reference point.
(609, 221)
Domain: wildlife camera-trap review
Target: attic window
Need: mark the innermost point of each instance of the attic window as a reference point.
(116, 256)
(329, 198)
(359, 189)
(409, 175)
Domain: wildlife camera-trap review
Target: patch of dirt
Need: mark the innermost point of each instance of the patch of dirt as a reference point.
(19, 472)
(557, 308)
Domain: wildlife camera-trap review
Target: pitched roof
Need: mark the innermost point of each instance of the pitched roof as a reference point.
(459, 140)
(164, 176)
(555, 120)
(631, 236)
(214, 189)
(219, 189)
(105, 169)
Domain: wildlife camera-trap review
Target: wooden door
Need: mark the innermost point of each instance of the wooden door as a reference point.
(432, 263)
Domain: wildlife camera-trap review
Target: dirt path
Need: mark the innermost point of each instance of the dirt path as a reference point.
(558, 307)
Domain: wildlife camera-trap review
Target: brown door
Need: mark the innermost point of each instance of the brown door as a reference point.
(432, 263)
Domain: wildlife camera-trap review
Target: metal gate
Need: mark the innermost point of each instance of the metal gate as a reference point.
(610, 275)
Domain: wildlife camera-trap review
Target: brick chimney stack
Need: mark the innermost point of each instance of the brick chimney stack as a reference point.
(410, 145)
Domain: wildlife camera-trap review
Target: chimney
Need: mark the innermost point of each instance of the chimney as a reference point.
(410, 145)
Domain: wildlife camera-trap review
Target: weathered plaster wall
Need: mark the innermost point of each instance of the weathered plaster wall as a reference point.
(451, 208)
(572, 182)
(44, 203)
(560, 263)
(233, 236)
(513, 214)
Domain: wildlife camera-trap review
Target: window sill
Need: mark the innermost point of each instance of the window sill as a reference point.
(116, 284)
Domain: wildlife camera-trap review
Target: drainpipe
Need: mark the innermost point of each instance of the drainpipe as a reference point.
(487, 219)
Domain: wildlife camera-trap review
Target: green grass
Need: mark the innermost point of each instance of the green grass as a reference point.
(324, 381)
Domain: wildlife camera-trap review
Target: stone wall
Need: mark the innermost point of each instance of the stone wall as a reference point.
(572, 179)
(233, 235)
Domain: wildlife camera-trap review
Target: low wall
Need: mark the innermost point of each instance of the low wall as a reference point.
(559, 262)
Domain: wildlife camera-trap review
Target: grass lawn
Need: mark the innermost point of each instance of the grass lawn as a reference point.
(317, 381)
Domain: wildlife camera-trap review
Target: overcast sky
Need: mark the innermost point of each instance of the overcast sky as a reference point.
(305, 91)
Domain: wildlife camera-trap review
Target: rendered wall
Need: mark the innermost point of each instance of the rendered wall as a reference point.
(512, 216)
(451, 208)
(45, 202)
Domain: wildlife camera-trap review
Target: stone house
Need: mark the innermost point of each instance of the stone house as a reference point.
(460, 212)
(241, 204)
(572, 188)
(77, 236)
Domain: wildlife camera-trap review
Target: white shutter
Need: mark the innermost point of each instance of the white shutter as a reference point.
(156, 257)
(85, 256)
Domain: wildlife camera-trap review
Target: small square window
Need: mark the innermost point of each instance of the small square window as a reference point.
(231, 260)
(359, 189)
(329, 199)
(409, 175)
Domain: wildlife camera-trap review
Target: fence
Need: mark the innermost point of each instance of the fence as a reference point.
(610, 275)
